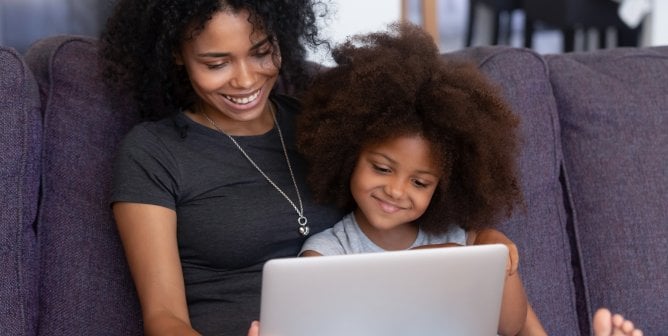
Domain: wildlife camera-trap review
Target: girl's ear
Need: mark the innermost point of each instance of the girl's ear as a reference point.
(178, 59)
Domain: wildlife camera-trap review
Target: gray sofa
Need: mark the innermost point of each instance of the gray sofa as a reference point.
(594, 170)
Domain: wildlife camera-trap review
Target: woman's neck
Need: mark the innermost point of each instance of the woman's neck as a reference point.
(216, 120)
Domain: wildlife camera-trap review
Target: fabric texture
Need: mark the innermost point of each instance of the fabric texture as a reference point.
(613, 107)
(346, 237)
(540, 230)
(230, 219)
(20, 146)
(593, 232)
(85, 285)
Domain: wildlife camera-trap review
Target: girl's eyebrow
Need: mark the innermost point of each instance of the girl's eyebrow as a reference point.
(384, 156)
(226, 54)
(394, 162)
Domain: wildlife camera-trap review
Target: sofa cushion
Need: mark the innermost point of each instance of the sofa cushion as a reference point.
(20, 146)
(613, 106)
(541, 231)
(85, 286)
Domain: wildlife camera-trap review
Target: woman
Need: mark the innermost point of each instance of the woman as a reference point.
(219, 158)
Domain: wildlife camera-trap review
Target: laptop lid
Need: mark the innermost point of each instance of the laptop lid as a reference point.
(442, 291)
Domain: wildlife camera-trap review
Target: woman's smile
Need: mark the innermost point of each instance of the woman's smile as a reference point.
(243, 100)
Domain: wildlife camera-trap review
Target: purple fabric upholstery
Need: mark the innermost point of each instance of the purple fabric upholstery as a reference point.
(20, 146)
(85, 286)
(594, 166)
(613, 106)
(540, 231)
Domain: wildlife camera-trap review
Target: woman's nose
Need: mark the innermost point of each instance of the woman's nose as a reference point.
(244, 76)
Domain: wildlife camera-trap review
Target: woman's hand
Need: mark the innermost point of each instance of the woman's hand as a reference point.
(492, 236)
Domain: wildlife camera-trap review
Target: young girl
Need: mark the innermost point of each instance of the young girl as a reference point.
(419, 149)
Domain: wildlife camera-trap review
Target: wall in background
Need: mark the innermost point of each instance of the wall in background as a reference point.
(24, 21)
(350, 17)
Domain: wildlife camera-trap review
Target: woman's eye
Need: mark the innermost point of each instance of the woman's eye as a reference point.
(380, 169)
(263, 53)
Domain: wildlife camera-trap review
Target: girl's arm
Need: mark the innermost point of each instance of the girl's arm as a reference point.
(532, 326)
(310, 253)
(514, 304)
(148, 233)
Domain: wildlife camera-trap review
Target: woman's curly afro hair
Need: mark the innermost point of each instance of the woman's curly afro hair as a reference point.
(396, 83)
(141, 38)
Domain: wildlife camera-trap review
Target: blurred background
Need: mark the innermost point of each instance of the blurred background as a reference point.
(547, 26)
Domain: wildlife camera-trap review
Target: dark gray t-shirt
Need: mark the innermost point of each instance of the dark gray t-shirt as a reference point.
(230, 220)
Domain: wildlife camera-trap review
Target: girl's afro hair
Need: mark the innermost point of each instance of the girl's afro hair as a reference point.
(394, 83)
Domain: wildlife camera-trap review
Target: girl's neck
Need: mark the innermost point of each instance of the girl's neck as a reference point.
(400, 237)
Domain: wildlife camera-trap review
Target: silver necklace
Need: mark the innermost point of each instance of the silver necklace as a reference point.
(301, 219)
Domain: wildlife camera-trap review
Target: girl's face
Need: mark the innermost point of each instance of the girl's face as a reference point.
(392, 184)
(231, 69)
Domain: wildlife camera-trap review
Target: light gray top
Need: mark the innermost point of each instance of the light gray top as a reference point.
(346, 237)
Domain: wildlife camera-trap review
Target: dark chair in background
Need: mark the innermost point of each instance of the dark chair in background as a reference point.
(569, 16)
(499, 8)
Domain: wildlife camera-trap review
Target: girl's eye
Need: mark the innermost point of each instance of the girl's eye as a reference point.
(381, 169)
(420, 184)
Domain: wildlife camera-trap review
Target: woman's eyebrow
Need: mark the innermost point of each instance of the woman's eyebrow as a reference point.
(260, 43)
(226, 54)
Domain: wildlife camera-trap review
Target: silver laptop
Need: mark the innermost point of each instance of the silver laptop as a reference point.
(444, 291)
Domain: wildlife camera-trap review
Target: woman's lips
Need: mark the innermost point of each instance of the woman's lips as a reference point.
(243, 100)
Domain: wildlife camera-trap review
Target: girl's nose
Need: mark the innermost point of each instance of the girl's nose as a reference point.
(395, 188)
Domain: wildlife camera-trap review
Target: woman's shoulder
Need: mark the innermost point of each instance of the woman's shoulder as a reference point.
(157, 131)
(167, 125)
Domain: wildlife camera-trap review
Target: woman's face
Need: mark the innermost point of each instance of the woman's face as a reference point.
(231, 69)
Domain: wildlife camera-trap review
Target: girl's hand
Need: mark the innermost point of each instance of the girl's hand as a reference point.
(254, 329)
(492, 236)
(436, 246)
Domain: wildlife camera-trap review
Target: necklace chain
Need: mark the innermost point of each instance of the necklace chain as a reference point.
(301, 220)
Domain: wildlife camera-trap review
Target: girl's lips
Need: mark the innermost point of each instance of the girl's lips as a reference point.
(387, 206)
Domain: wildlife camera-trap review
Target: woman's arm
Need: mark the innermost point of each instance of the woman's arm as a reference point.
(514, 304)
(148, 233)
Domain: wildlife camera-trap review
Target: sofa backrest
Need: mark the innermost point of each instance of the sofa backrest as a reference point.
(85, 286)
(613, 111)
(541, 232)
(20, 147)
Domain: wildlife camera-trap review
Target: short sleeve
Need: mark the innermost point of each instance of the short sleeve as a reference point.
(144, 170)
(325, 243)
